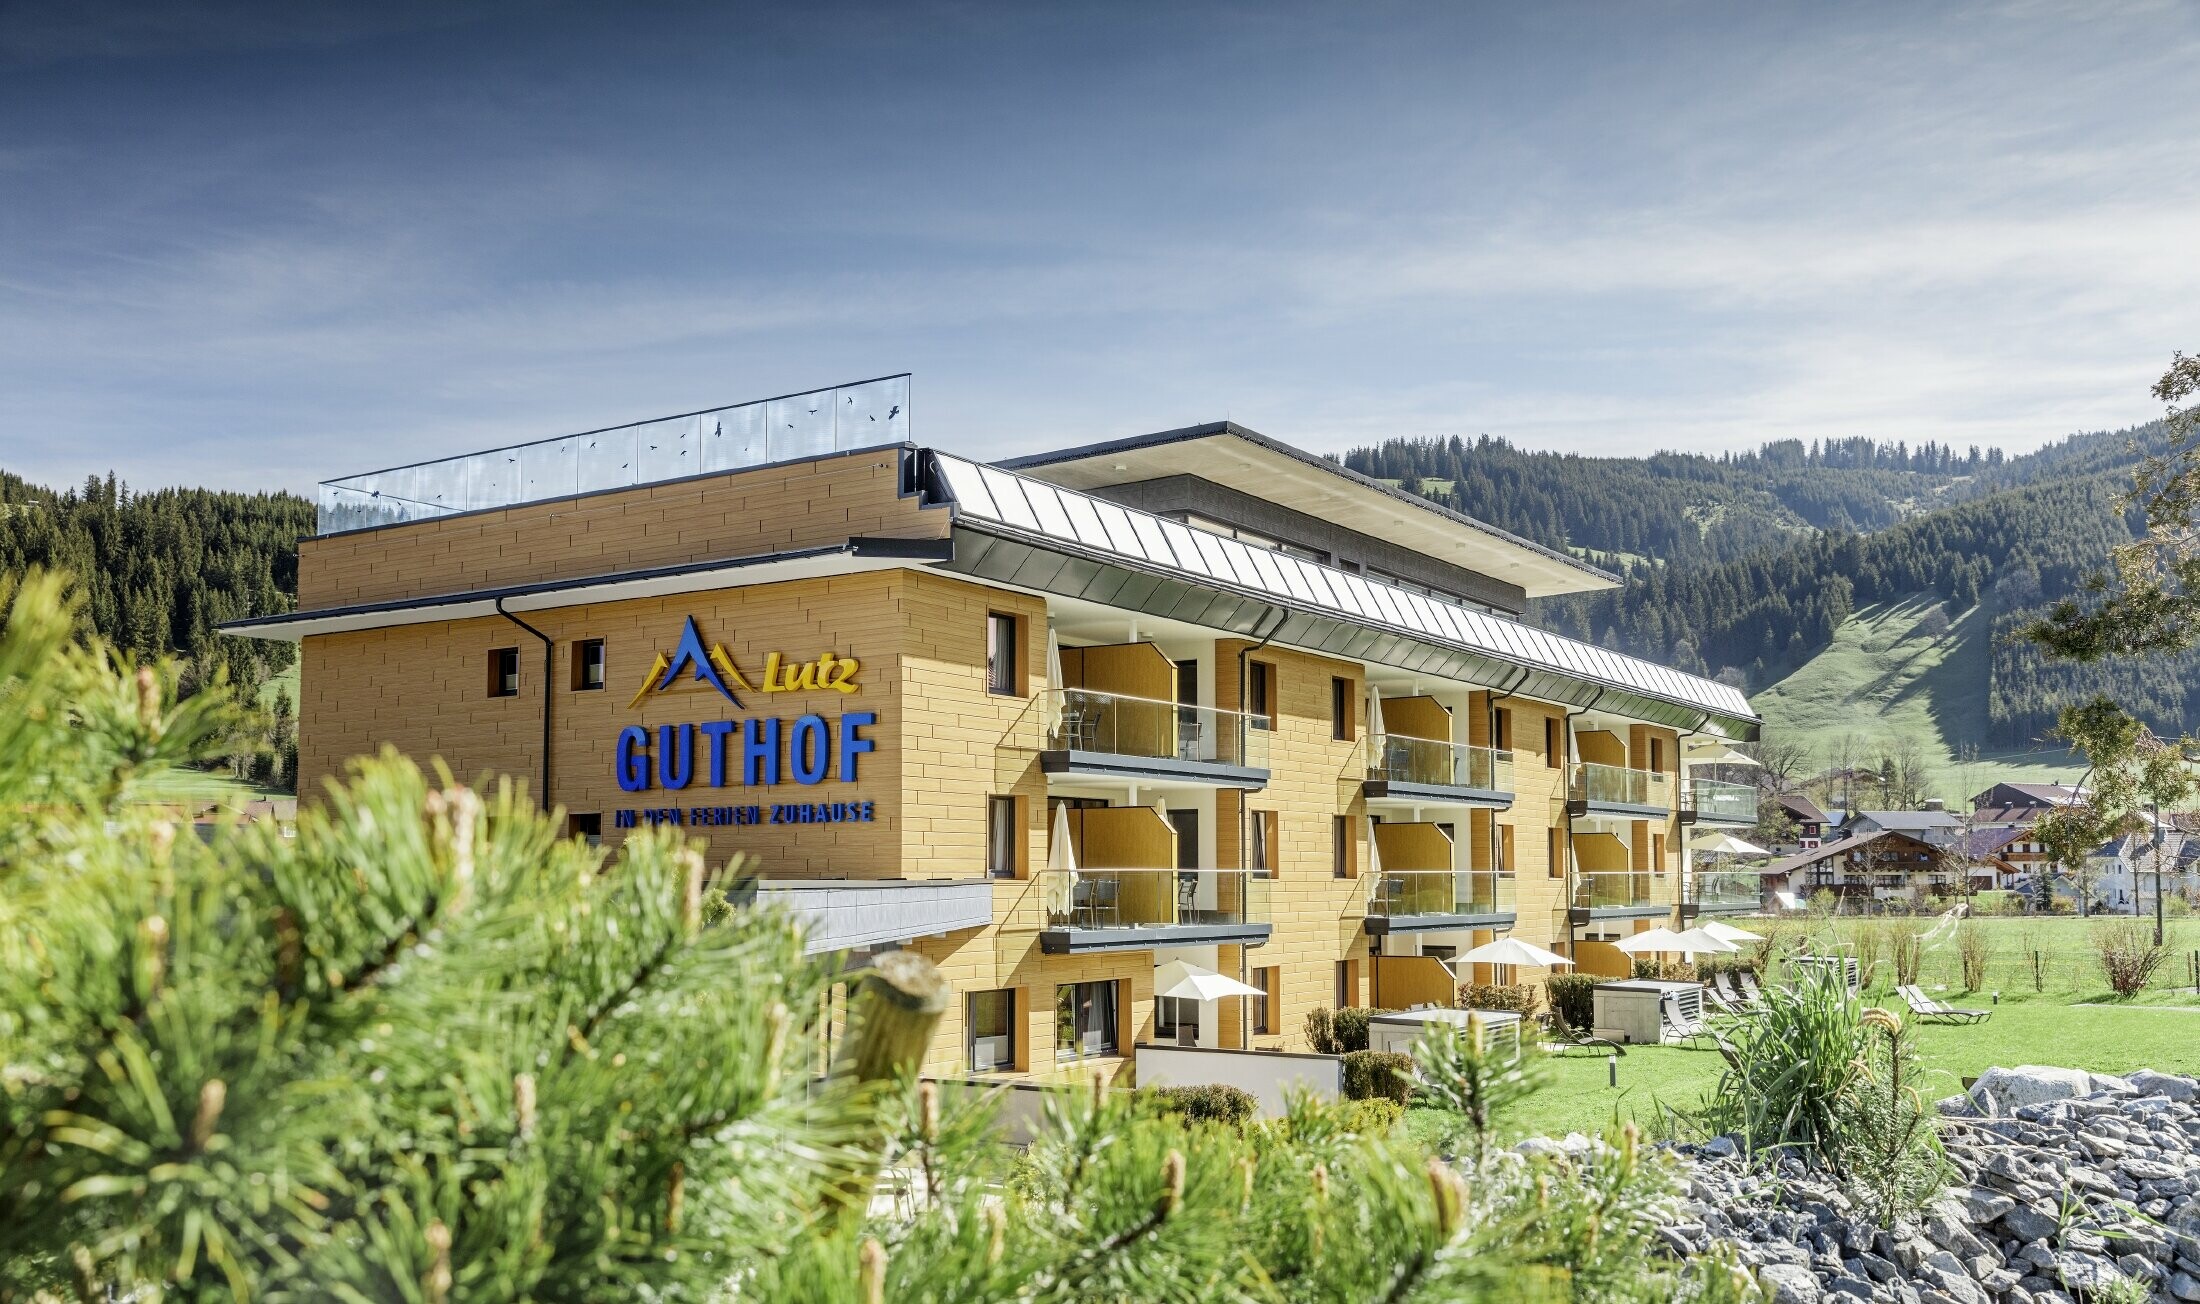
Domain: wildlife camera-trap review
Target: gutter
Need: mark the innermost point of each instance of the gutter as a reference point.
(549, 669)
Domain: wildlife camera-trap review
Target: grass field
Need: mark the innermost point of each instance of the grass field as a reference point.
(2072, 1021)
(1885, 676)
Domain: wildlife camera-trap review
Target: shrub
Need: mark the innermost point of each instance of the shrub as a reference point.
(1337, 1032)
(1213, 1102)
(1378, 1075)
(1373, 1117)
(1906, 947)
(1672, 971)
(1973, 950)
(1515, 998)
(1824, 903)
(1886, 1149)
(2177, 907)
(1789, 1068)
(2128, 955)
(1475, 1079)
(1867, 938)
(1573, 999)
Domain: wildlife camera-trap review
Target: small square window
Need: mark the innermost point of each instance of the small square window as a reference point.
(1340, 846)
(1340, 708)
(504, 672)
(1502, 731)
(1001, 670)
(1268, 1006)
(1260, 694)
(1261, 828)
(992, 1019)
(588, 665)
(1554, 743)
(588, 827)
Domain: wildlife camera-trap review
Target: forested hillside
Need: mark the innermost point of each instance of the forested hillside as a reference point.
(1745, 566)
(159, 570)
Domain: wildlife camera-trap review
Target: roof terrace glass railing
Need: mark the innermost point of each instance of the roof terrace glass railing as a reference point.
(1085, 720)
(1401, 758)
(861, 415)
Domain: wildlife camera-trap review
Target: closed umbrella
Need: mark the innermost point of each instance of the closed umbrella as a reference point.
(1188, 982)
(1053, 709)
(1061, 867)
(1507, 950)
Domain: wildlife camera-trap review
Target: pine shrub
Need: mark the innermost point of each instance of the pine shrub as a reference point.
(1378, 1075)
(1213, 1102)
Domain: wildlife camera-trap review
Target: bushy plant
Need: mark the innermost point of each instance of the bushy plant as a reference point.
(1213, 1102)
(1886, 1150)
(1337, 1032)
(1513, 998)
(1378, 1075)
(1825, 903)
(1671, 971)
(1375, 1116)
(1475, 1078)
(1573, 999)
(2128, 955)
(1906, 947)
(1867, 940)
(1974, 948)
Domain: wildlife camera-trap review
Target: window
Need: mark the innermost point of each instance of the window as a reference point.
(1084, 1020)
(1261, 854)
(1555, 848)
(504, 672)
(1502, 730)
(992, 1019)
(1554, 743)
(1176, 1019)
(1268, 1006)
(1340, 846)
(1000, 655)
(588, 665)
(1000, 837)
(1348, 984)
(1260, 695)
(1657, 754)
(1657, 853)
(588, 828)
(1340, 708)
(1505, 863)
(1243, 535)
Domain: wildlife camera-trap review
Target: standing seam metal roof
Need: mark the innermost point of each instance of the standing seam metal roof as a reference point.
(1001, 498)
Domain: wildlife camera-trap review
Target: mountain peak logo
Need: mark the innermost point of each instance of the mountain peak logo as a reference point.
(709, 665)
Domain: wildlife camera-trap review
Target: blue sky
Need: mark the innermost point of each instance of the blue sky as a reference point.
(262, 245)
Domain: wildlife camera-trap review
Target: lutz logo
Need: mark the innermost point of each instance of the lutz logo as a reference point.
(713, 667)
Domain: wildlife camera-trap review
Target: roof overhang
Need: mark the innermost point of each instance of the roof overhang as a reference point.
(1229, 454)
(853, 557)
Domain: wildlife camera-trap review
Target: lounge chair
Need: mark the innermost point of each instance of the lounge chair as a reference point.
(1929, 1010)
(1729, 984)
(1677, 1030)
(1745, 980)
(1562, 1038)
(1722, 1003)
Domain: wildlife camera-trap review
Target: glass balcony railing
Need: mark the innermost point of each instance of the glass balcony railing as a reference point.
(1402, 758)
(1080, 719)
(1152, 898)
(1406, 892)
(863, 415)
(1618, 889)
(1617, 785)
(1725, 889)
(1726, 803)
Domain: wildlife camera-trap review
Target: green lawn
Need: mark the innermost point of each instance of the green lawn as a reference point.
(1885, 676)
(2059, 1025)
(204, 785)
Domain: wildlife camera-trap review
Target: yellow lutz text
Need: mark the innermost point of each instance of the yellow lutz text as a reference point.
(828, 671)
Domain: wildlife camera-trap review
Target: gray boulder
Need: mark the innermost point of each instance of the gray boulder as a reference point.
(2005, 1091)
(2149, 1083)
(1787, 1283)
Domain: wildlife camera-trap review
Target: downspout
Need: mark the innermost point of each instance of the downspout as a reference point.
(549, 668)
(1490, 728)
(1245, 1027)
(1565, 780)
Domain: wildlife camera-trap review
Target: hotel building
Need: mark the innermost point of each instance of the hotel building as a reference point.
(1054, 723)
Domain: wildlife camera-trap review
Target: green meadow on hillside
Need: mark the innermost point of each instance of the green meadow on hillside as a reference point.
(1888, 675)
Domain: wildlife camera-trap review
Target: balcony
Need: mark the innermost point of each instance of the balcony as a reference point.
(1619, 894)
(1593, 789)
(1723, 892)
(1708, 801)
(1134, 909)
(1111, 735)
(1429, 771)
(1433, 900)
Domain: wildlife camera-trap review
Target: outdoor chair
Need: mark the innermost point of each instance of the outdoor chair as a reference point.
(1746, 982)
(1675, 1029)
(1563, 1038)
(1736, 993)
(1929, 1010)
(1723, 1003)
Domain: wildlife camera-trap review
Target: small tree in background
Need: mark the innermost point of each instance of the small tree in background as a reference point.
(1476, 1079)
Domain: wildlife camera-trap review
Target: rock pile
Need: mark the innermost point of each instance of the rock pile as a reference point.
(2069, 1187)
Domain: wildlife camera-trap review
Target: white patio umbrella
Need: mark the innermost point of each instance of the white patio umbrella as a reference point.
(1698, 941)
(1507, 950)
(1727, 932)
(1374, 712)
(1062, 862)
(1656, 939)
(1718, 753)
(1726, 844)
(1053, 709)
(1188, 982)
